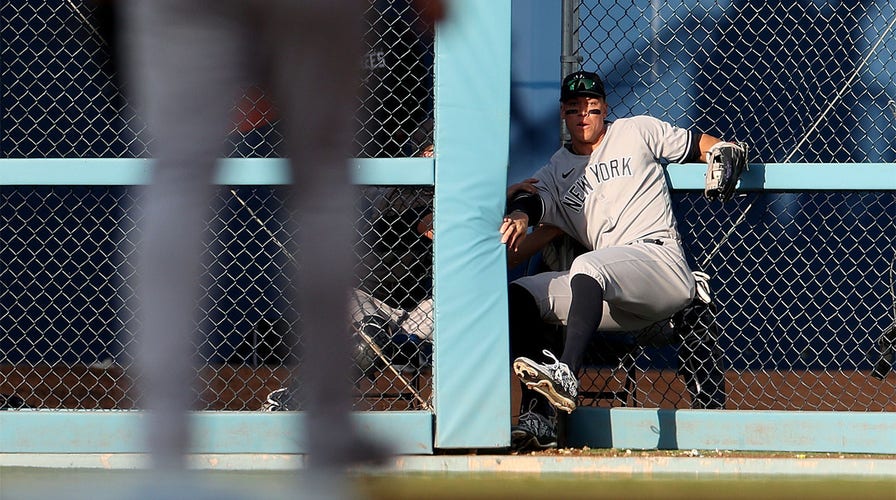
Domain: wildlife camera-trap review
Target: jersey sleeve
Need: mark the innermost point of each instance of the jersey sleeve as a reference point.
(667, 142)
(548, 192)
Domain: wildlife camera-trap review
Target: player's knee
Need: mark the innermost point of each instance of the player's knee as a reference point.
(581, 267)
(521, 304)
(671, 303)
(680, 300)
(587, 287)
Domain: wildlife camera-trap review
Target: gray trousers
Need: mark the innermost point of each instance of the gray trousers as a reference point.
(417, 321)
(643, 283)
(187, 62)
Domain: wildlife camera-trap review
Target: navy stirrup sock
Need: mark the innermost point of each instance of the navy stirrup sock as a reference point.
(585, 313)
(528, 337)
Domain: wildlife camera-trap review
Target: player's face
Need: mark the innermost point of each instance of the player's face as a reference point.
(584, 117)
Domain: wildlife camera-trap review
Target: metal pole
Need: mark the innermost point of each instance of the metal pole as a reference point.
(570, 60)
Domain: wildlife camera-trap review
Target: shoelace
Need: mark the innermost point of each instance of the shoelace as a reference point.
(561, 373)
(536, 423)
(274, 404)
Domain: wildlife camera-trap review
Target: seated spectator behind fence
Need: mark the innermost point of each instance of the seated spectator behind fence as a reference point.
(393, 302)
(392, 305)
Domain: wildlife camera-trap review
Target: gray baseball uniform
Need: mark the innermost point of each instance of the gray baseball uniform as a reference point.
(616, 202)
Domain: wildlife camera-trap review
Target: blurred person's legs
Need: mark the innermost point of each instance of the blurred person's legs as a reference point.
(185, 72)
(314, 73)
(187, 59)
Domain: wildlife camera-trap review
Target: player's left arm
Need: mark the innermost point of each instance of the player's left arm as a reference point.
(705, 143)
(726, 161)
(698, 145)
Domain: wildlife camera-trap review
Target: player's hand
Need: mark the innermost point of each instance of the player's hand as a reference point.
(527, 185)
(513, 229)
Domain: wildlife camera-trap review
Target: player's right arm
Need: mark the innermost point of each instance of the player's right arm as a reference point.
(525, 246)
(532, 244)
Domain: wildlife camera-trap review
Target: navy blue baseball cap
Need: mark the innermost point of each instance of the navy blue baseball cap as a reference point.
(582, 84)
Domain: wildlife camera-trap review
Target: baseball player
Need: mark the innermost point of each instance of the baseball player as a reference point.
(607, 190)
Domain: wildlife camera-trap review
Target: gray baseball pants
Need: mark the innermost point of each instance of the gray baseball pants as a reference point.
(643, 283)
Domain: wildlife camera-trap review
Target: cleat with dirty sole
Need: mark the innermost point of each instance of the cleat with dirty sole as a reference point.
(555, 382)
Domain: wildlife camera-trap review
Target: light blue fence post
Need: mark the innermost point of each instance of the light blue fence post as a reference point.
(472, 94)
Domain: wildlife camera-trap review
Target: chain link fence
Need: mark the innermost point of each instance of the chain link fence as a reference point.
(802, 285)
(802, 281)
(62, 99)
(66, 306)
(802, 82)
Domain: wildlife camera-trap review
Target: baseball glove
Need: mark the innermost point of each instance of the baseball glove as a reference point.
(726, 161)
